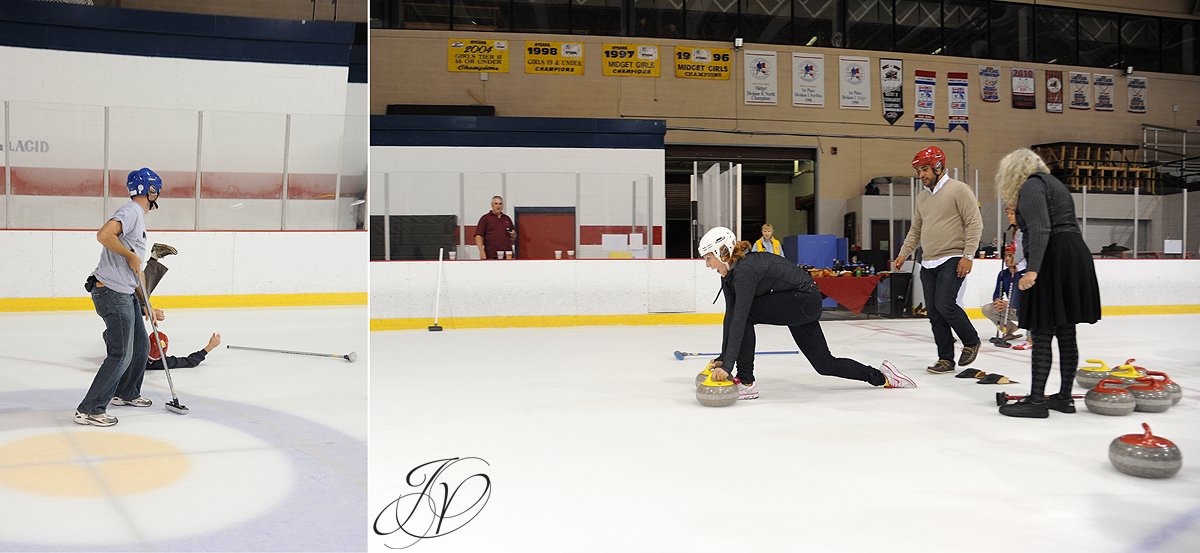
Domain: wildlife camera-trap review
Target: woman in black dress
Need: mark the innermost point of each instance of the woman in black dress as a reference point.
(1059, 289)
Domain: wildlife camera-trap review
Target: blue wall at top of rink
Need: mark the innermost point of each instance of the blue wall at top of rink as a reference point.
(175, 35)
(517, 132)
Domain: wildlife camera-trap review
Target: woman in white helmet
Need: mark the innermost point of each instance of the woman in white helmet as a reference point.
(763, 288)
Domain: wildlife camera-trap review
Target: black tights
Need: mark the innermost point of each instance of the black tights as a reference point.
(1068, 360)
(801, 313)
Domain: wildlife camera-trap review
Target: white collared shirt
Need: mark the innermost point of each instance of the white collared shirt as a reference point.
(934, 263)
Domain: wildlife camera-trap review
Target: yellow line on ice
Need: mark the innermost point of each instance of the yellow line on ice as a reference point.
(189, 302)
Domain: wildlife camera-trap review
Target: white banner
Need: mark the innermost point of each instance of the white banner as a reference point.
(1137, 94)
(761, 86)
(958, 101)
(1081, 90)
(808, 80)
(1103, 85)
(854, 74)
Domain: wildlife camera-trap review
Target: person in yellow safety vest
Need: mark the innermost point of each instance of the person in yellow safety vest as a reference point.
(768, 233)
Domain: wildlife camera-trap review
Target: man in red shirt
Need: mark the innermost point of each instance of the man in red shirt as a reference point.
(495, 231)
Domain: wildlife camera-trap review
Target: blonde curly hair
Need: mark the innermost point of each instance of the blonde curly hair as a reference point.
(1015, 168)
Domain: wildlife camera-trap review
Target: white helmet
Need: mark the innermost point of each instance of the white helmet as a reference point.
(715, 239)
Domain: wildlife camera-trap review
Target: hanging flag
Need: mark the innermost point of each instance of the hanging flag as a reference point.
(855, 91)
(1137, 94)
(958, 101)
(808, 80)
(891, 83)
(1054, 91)
(760, 84)
(1104, 91)
(926, 87)
(989, 83)
(1023, 89)
(1081, 91)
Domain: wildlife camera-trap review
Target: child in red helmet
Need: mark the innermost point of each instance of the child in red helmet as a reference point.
(156, 358)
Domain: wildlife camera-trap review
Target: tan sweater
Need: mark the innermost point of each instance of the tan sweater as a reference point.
(947, 223)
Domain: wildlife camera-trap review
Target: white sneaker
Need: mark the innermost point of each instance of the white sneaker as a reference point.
(139, 402)
(895, 378)
(747, 392)
(99, 419)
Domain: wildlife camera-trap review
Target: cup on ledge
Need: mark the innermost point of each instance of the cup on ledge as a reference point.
(499, 255)
(508, 254)
(557, 254)
(570, 254)
(453, 256)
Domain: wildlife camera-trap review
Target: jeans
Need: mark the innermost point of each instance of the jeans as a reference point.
(941, 286)
(120, 375)
(801, 313)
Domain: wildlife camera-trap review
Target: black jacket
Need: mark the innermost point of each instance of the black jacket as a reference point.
(177, 362)
(1044, 208)
(757, 274)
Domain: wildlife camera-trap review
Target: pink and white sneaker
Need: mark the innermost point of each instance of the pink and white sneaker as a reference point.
(747, 392)
(895, 378)
(1023, 346)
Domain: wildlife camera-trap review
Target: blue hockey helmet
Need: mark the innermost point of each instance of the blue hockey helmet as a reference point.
(143, 181)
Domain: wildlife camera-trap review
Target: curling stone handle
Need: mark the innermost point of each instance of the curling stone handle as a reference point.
(1100, 385)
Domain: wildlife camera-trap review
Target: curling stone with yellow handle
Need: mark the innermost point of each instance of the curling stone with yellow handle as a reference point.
(1089, 376)
(711, 393)
(1127, 374)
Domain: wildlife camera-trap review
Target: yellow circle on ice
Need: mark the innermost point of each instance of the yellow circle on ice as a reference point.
(76, 464)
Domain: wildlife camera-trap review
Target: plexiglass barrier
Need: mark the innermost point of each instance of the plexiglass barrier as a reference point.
(554, 214)
(64, 167)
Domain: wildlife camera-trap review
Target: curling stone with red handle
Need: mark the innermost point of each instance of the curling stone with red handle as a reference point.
(1108, 398)
(1145, 455)
(1150, 396)
(1174, 389)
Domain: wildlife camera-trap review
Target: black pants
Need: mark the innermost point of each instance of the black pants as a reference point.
(801, 313)
(941, 285)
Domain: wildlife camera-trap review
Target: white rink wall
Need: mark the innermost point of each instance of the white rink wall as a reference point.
(54, 264)
(406, 289)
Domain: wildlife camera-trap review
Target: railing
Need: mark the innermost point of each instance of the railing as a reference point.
(1167, 149)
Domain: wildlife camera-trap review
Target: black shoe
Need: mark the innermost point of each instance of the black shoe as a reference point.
(1026, 408)
(942, 366)
(1059, 404)
(969, 353)
(159, 251)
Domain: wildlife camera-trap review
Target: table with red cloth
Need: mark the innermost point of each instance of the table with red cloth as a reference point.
(851, 292)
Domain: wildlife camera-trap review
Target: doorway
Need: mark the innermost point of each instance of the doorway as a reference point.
(543, 230)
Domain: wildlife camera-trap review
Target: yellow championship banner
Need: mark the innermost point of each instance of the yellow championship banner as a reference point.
(554, 58)
(477, 56)
(703, 63)
(630, 60)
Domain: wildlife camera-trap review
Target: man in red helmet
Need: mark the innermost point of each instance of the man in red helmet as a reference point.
(947, 226)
